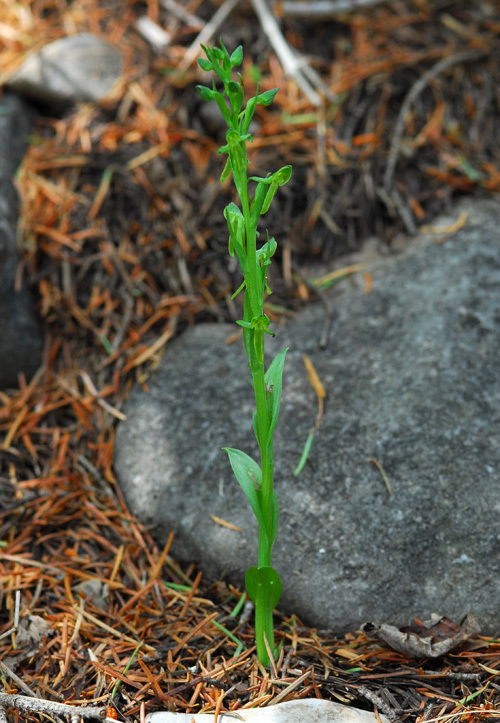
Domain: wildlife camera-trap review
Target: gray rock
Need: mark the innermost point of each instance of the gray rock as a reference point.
(75, 68)
(20, 329)
(412, 379)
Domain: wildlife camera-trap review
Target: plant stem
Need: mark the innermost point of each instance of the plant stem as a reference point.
(264, 625)
(262, 582)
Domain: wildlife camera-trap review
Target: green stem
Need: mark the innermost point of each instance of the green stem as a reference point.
(263, 625)
(266, 458)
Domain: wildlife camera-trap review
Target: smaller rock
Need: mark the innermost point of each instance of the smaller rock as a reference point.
(292, 711)
(76, 68)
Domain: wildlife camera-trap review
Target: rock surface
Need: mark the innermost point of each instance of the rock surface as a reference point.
(75, 68)
(412, 377)
(311, 710)
(20, 329)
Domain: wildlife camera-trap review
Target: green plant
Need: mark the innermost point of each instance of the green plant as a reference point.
(262, 582)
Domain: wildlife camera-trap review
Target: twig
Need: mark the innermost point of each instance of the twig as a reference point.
(394, 203)
(208, 31)
(181, 13)
(323, 9)
(411, 96)
(152, 33)
(40, 705)
(379, 703)
(293, 67)
(14, 628)
(10, 674)
(286, 691)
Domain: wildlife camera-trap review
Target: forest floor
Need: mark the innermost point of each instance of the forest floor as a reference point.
(124, 242)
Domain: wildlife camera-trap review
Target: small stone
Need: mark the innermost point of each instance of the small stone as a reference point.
(75, 68)
(292, 711)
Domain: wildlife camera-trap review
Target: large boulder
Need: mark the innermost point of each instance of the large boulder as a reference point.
(412, 378)
(21, 339)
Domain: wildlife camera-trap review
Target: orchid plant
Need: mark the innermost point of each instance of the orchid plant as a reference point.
(262, 581)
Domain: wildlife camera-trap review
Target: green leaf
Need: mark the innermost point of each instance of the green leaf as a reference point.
(263, 586)
(206, 93)
(277, 179)
(258, 200)
(256, 427)
(235, 93)
(274, 382)
(283, 175)
(236, 225)
(236, 57)
(224, 110)
(220, 53)
(272, 529)
(247, 115)
(305, 453)
(204, 64)
(214, 55)
(227, 170)
(267, 97)
(266, 251)
(248, 474)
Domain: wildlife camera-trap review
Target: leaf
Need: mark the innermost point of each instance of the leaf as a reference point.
(431, 639)
(277, 179)
(248, 114)
(267, 97)
(263, 586)
(248, 474)
(236, 226)
(258, 200)
(227, 170)
(283, 175)
(272, 528)
(266, 251)
(274, 380)
(205, 92)
(236, 57)
(235, 93)
(305, 453)
(223, 109)
(204, 64)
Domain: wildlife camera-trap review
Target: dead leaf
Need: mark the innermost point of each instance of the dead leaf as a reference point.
(31, 632)
(429, 639)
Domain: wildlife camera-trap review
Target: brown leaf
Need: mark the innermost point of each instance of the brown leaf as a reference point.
(429, 639)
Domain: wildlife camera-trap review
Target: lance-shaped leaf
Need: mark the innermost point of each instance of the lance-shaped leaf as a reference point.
(277, 179)
(274, 382)
(247, 115)
(249, 476)
(235, 93)
(272, 524)
(236, 226)
(224, 110)
(267, 97)
(258, 201)
(227, 170)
